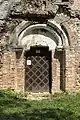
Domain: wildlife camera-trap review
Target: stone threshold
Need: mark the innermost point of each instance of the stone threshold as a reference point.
(40, 96)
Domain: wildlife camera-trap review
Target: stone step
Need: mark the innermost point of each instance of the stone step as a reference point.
(38, 96)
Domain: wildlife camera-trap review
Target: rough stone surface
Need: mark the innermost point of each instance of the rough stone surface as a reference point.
(66, 59)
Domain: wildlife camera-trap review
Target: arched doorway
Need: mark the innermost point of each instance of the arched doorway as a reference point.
(50, 40)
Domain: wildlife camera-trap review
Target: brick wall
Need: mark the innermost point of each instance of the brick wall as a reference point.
(8, 70)
(65, 73)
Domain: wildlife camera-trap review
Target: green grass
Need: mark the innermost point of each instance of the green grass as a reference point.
(60, 107)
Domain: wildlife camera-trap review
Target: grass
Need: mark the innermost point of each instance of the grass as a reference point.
(60, 107)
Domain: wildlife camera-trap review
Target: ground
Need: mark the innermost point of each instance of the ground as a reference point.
(60, 107)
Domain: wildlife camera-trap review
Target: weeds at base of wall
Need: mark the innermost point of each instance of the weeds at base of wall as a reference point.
(35, 96)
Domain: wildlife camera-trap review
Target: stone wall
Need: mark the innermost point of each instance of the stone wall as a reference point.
(12, 72)
(65, 74)
(77, 69)
(70, 70)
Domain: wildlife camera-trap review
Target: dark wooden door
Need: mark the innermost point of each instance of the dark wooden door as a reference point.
(37, 72)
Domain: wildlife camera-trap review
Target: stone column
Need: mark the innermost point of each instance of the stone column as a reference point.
(20, 71)
(55, 75)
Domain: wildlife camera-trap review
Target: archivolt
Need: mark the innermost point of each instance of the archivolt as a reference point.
(31, 33)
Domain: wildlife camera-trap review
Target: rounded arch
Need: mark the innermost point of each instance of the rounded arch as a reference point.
(32, 33)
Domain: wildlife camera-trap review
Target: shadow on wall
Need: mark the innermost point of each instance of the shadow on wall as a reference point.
(60, 55)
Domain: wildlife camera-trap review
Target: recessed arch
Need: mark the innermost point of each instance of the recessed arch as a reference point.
(50, 34)
(50, 31)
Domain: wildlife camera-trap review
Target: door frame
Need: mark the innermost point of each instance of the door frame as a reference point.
(40, 51)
